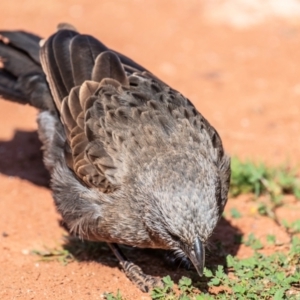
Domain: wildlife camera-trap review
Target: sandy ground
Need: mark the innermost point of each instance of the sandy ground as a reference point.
(240, 68)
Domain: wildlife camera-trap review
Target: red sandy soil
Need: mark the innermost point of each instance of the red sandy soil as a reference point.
(245, 80)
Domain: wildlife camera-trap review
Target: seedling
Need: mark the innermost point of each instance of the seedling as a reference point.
(110, 296)
(59, 254)
(235, 213)
(253, 242)
(271, 239)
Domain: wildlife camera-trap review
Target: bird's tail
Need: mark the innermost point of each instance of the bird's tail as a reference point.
(21, 76)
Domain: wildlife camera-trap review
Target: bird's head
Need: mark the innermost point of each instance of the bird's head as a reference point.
(184, 208)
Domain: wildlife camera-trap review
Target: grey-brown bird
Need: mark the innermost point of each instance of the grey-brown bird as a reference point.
(131, 159)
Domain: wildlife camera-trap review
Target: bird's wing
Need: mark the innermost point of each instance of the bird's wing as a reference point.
(21, 76)
(91, 87)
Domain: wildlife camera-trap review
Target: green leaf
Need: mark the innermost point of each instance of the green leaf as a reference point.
(168, 281)
(110, 296)
(184, 297)
(271, 239)
(220, 272)
(208, 273)
(185, 281)
(253, 242)
(279, 295)
(230, 262)
(235, 213)
(215, 281)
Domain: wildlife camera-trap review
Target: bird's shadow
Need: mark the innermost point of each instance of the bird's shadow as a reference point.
(22, 157)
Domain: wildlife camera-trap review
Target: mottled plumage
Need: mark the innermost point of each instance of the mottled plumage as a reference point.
(132, 161)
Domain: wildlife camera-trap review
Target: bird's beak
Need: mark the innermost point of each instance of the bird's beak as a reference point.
(197, 256)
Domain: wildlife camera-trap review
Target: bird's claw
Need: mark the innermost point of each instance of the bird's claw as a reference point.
(144, 282)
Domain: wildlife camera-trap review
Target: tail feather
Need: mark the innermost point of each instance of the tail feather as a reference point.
(16, 62)
(8, 90)
(21, 77)
(25, 41)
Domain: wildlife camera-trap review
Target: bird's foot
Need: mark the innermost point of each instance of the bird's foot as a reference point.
(139, 278)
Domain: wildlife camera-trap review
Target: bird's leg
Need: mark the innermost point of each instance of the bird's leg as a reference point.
(134, 272)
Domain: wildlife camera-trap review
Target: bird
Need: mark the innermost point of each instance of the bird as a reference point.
(132, 161)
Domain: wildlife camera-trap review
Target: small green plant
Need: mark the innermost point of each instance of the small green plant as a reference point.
(263, 209)
(259, 277)
(166, 292)
(217, 278)
(271, 239)
(185, 285)
(110, 296)
(253, 242)
(59, 254)
(293, 227)
(248, 177)
(186, 290)
(72, 249)
(235, 213)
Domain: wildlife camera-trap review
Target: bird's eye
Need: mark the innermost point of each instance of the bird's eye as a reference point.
(174, 237)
